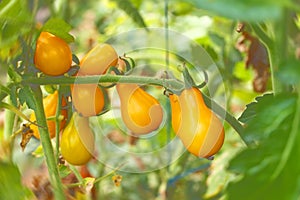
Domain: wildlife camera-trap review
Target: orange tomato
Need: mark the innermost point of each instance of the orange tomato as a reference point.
(50, 105)
(87, 99)
(98, 60)
(140, 111)
(77, 141)
(52, 55)
(199, 129)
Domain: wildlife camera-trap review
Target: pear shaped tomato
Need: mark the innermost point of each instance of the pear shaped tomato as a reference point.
(77, 141)
(50, 105)
(200, 130)
(98, 60)
(52, 55)
(140, 111)
(88, 99)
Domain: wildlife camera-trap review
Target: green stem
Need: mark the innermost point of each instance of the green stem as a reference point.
(57, 124)
(47, 145)
(62, 80)
(234, 123)
(110, 173)
(171, 84)
(76, 173)
(8, 128)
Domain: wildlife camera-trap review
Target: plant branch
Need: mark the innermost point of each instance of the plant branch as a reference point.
(63, 80)
(47, 145)
(171, 84)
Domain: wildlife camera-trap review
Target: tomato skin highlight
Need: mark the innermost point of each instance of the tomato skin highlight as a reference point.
(87, 99)
(141, 112)
(53, 55)
(98, 60)
(77, 141)
(50, 105)
(199, 129)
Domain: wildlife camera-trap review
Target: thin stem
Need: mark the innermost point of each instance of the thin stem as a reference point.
(262, 35)
(57, 124)
(47, 145)
(110, 173)
(76, 173)
(167, 33)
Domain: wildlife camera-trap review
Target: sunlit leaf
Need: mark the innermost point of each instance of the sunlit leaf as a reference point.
(131, 11)
(15, 20)
(59, 28)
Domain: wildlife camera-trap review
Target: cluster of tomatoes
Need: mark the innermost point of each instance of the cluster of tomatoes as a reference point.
(199, 129)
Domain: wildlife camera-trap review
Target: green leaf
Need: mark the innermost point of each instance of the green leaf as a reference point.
(290, 72)
(275, 131)
(26, 95)
(13, 95)
(15, 20)
(248, 11)
(14, 76)
(64, 171)
(10, 184)
(251, 109)
(59, 28)
(4, 91)
(131, 11)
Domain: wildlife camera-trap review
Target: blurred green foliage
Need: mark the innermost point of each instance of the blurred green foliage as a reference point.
(267, 169)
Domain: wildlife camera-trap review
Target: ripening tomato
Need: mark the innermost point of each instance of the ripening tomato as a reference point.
(88, 99)
(140, 111)
(199, 129)
(50, 105)
(77, 141)
(53, 55)
(98, 60)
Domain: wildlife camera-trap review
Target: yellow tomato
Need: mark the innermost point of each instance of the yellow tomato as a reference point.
(199, 129)
(87, 99)
(50, 105)
(77, 141)
(53, 55)
(140, 111)
(98, 60)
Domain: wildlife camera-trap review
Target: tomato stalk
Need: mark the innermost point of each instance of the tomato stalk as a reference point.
(62, 80)
(172, 84)
(47, 145)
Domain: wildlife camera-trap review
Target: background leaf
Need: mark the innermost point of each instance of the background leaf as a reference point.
(270, 130)
(14, 20)
(290, 72)
(250, 11)
(131, 11)
(10, 184)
